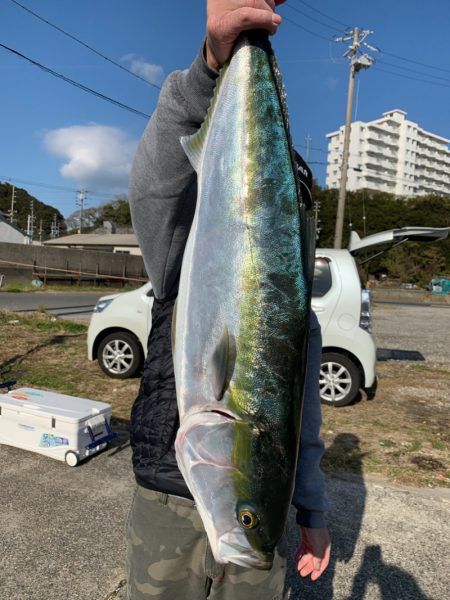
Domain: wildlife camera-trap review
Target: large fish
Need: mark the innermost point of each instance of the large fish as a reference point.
(241, 321)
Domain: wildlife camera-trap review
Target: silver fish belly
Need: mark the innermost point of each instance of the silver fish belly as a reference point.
(241, 323)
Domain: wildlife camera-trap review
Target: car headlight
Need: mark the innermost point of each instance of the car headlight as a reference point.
(102, 304)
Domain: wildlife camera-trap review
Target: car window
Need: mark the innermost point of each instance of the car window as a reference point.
(322, 278)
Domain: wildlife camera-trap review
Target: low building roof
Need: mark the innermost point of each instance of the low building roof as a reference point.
(95, 239)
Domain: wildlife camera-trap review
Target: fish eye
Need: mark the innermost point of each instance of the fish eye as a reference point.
(247, 519)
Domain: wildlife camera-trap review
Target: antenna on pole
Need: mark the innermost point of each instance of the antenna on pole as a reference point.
(358, 61)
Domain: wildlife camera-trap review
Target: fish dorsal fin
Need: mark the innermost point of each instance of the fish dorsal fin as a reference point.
(194, 144)
(219, 364)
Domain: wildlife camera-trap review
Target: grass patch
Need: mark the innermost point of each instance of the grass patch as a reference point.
(67, 326)
(413, 446)
(387, 443)
(18, 288)
(437, 444)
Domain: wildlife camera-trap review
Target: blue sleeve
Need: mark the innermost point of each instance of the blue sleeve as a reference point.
(309, 494)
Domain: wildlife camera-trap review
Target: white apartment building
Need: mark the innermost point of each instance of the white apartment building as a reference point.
(392, 155)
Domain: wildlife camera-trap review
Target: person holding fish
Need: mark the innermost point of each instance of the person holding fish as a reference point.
(216, 208)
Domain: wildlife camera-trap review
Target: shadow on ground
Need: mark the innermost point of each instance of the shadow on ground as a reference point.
(345, 522)
(384, 354)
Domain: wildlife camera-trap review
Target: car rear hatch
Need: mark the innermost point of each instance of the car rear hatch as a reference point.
(394, 237)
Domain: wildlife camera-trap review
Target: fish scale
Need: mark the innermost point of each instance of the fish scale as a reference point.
(241, 320)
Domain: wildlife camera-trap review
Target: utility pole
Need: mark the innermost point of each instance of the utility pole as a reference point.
(12, 211)
(357, 62)
(80, 203)
(30, 222)
(40, 232)
(54, 229)
(308, 141)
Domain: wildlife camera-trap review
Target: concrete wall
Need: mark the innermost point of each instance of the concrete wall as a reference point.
(22, 263)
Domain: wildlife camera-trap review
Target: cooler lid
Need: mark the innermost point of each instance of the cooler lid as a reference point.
(60, 406)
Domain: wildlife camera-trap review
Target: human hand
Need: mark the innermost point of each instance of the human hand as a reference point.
(313, 554)
(226, 19)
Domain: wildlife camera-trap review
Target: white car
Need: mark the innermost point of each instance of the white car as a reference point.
(120, 325)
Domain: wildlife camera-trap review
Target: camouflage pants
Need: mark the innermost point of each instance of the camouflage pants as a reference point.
(169, 557)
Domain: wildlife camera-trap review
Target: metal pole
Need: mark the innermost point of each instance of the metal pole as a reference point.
(12, 211)
(308, 140)
(81, 197)
(345, 152)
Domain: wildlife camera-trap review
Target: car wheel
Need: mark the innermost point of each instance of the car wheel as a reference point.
(340, 379)
(120, 355)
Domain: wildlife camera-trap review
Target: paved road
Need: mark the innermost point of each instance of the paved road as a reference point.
(77, 305)
(61, 534)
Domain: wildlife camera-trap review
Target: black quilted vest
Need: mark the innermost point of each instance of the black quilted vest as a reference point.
(154, 417)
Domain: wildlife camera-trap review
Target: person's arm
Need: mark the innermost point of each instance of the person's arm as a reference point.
(163, 185)
(310, 499)
(162, 190)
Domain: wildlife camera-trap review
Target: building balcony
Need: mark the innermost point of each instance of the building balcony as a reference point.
(380, 150)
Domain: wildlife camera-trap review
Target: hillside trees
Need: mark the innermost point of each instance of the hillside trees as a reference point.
(42, 211)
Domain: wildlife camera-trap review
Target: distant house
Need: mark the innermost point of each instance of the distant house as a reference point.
(120, 243)
(10, 233)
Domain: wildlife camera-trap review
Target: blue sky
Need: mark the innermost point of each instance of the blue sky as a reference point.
(60, 136)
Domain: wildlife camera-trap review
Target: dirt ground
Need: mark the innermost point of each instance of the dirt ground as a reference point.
(403, 434)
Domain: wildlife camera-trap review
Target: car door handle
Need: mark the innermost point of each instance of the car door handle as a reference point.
(317, 308)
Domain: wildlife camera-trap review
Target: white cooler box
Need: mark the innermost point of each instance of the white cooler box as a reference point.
(64, 427)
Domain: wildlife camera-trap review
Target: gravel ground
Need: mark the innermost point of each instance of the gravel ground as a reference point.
(413, 329)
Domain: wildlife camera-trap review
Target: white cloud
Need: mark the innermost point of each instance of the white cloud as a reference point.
(97, 156)
(152, 73)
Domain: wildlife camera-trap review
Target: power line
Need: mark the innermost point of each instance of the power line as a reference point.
(323, 14)
(301, 12)
(76, 84)
(322, 37)
(58, 188)
(416, 62)
(384, 62)
(72, 37)
(383, 52)
(412, 78)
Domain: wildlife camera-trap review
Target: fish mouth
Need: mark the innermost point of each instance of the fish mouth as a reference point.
(244, 556)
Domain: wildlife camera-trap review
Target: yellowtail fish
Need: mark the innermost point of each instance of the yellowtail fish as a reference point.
(242, 316)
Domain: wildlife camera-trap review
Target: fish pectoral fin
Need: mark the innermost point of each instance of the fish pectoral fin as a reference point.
(220, 363)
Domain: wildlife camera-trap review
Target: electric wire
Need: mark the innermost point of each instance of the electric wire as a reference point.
(76, 83)
(318, 35)
(301, 12)
(58, 188)
(323, 14)
(416, 62)
(410, 77)
(384, 62)
(72, 37)
(384, 52)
